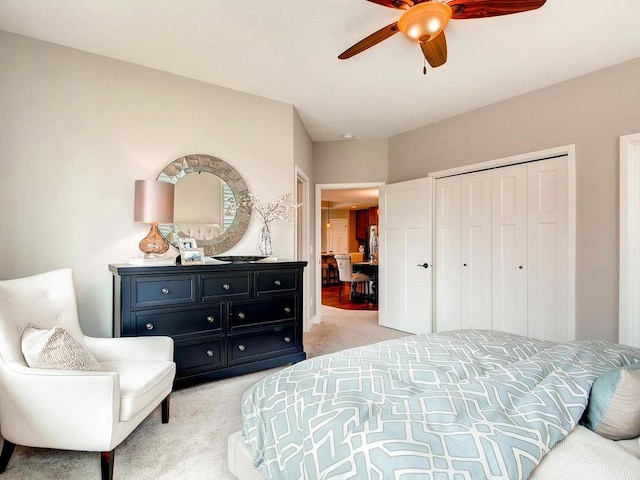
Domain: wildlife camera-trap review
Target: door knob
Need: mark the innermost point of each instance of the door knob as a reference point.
(423, 265)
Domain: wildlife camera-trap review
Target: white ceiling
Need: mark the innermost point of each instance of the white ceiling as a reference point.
(287, 50)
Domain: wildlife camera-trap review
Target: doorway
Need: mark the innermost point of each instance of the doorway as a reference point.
(337, 204)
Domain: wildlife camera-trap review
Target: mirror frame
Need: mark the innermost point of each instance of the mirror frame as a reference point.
(182, 166)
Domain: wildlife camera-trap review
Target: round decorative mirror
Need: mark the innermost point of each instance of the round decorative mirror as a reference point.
(205, 188)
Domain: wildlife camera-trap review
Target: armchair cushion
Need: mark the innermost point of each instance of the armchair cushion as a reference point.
(55, 349)
(141, 383)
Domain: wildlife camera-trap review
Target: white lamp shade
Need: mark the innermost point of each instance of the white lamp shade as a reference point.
(153, 202)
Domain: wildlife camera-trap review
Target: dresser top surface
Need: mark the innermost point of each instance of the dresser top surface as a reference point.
(127, 269)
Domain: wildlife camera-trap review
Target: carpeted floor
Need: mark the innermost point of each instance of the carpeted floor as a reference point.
(193, 445)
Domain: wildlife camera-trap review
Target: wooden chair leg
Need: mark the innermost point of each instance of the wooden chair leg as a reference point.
(106, 464)
(340, 291)
(165, 409)
(5, 456)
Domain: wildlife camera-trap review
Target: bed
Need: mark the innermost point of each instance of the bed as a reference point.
(455, 405)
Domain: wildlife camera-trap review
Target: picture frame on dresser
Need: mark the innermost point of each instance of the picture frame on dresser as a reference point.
(192, 256)
(187, 243)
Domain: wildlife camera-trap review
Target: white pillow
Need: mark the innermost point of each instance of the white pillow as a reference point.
(55, 349)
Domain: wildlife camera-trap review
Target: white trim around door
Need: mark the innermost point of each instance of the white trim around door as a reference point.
(302, 241)
(629, 307)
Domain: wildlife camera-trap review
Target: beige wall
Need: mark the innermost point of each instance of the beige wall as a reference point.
(353, 161)
(79, 129)
(591, 112)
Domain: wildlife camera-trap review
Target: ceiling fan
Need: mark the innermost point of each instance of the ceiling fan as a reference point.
(423, 22)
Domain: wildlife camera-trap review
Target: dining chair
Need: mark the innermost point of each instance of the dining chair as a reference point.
(346, 275)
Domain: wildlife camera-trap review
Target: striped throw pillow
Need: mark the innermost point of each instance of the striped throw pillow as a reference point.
(55, 349)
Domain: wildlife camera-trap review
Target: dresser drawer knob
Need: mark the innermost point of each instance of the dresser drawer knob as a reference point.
(277, 282)
(226, 286)
(287, 309)
(149, 326)
(287, 339)
(165, 291)
(241, 315)
(210, 319)
(241, 348)
(209, 353)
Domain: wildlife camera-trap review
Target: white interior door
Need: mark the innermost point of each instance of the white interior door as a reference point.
(476, 250)
(448, 259)
(629, 333)
(548, 263)
(337, 242)
(509, 249)
(405, 285)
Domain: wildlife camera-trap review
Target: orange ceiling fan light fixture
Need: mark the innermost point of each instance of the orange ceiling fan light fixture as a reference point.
(425, 21)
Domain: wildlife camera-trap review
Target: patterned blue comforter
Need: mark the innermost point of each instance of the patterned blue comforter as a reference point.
(454, 405)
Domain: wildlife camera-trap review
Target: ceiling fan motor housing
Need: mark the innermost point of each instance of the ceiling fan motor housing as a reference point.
(424, 21)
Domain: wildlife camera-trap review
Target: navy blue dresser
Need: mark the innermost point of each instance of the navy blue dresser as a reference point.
(226, 319)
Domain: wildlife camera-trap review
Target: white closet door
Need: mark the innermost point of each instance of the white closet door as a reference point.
(476, 250)
(548, 274)
(447, 265)
(509, 249)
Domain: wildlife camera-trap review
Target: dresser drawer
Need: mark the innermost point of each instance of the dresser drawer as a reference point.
(207, 353)
(224, 286)
(255, 345)
(179, 321)
(276, 281)
(151, 291)
(277, 309)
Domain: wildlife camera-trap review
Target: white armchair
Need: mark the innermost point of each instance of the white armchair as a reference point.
(68, 409)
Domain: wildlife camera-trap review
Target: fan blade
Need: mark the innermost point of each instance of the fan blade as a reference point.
(401, 4)
(435, 51)
(370, 41)
(491, 8)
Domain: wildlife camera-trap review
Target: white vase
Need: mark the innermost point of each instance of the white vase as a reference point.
(265, 245)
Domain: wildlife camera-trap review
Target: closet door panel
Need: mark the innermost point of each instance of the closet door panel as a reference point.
(509, 249)
(476, 250)
(447, 262)
(547, 250)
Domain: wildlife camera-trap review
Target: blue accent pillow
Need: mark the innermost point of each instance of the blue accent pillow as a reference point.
(614, 404)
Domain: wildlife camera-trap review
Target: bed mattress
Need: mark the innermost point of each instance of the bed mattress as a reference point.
(453, 405)
(582, 455)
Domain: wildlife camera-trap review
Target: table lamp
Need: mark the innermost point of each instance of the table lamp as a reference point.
(153, 204)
